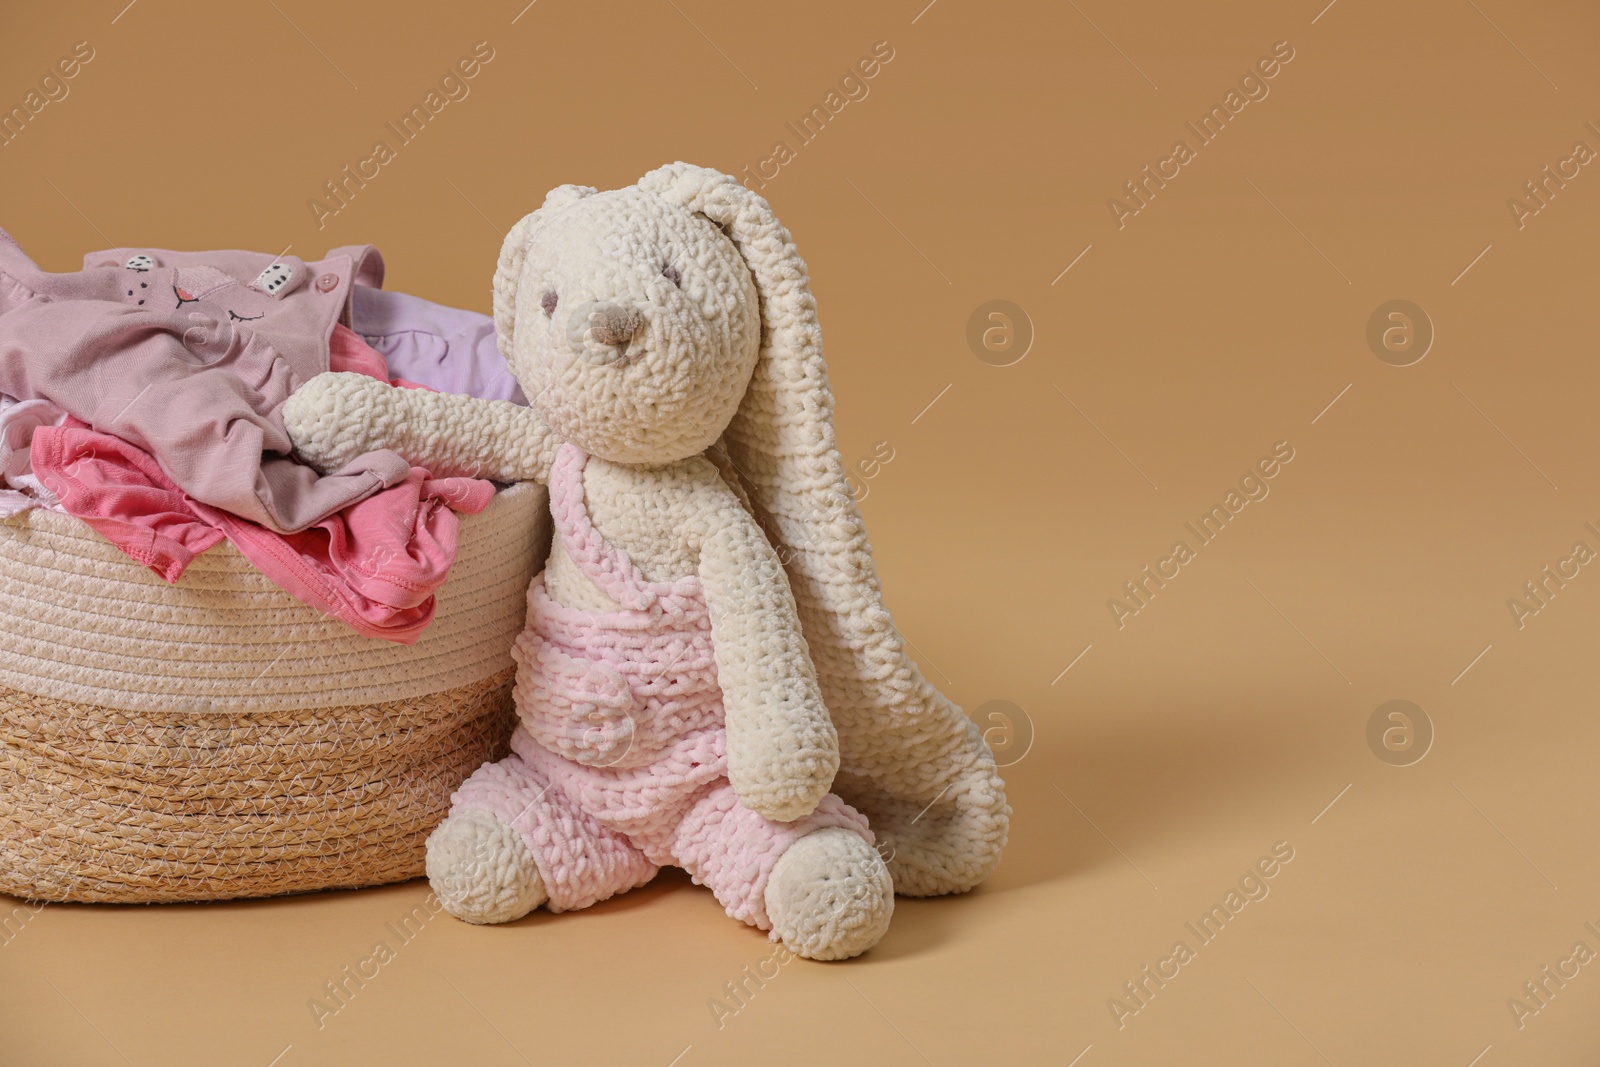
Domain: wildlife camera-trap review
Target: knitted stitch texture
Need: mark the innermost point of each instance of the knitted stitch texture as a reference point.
(621, 713)
(668, 331)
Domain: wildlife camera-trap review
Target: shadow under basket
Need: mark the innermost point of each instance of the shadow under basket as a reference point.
(216, 738)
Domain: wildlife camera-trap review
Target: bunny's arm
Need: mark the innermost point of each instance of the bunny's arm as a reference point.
(782, 747)
(337, 416)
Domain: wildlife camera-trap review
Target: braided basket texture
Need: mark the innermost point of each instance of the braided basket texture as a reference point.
(217, 738)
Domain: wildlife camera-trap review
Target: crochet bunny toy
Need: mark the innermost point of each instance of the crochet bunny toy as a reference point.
(707, 653)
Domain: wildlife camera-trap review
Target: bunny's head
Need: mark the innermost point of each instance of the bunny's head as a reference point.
(631, 320)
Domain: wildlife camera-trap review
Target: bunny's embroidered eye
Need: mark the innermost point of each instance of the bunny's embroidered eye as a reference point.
(548, 302)
(670, 273)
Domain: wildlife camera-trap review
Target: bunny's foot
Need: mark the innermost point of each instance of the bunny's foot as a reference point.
(481, 871)
(829, 896)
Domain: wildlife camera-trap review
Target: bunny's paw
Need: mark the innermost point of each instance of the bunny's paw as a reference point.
(335, 417)
(829, 896)
(481, 871)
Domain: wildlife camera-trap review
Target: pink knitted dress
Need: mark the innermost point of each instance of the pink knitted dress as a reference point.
(619, 765)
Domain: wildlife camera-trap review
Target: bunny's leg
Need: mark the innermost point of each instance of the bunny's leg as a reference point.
(513, 842)
(816, 883)
(830, 896)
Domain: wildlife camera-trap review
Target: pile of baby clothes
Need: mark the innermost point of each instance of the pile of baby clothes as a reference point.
(143, 395)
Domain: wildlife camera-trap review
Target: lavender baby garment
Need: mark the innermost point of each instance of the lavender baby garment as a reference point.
(441, 347)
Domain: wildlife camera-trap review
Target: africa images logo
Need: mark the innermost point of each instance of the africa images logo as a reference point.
(1253, 87)
(1253, 487)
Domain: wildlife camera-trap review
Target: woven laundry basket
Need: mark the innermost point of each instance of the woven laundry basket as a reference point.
(217, 738)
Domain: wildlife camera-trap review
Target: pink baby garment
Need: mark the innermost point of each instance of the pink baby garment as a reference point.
(374, 565)
(619, 762)
(191, 357)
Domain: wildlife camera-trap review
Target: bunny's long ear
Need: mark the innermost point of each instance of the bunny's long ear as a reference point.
(513, 251)
(909, 758)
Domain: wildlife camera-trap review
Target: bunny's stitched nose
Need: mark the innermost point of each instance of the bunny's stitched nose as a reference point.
(612, 324)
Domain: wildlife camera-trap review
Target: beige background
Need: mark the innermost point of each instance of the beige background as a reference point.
(1222, 319)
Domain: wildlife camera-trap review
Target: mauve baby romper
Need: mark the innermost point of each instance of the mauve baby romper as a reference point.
(619, 765)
